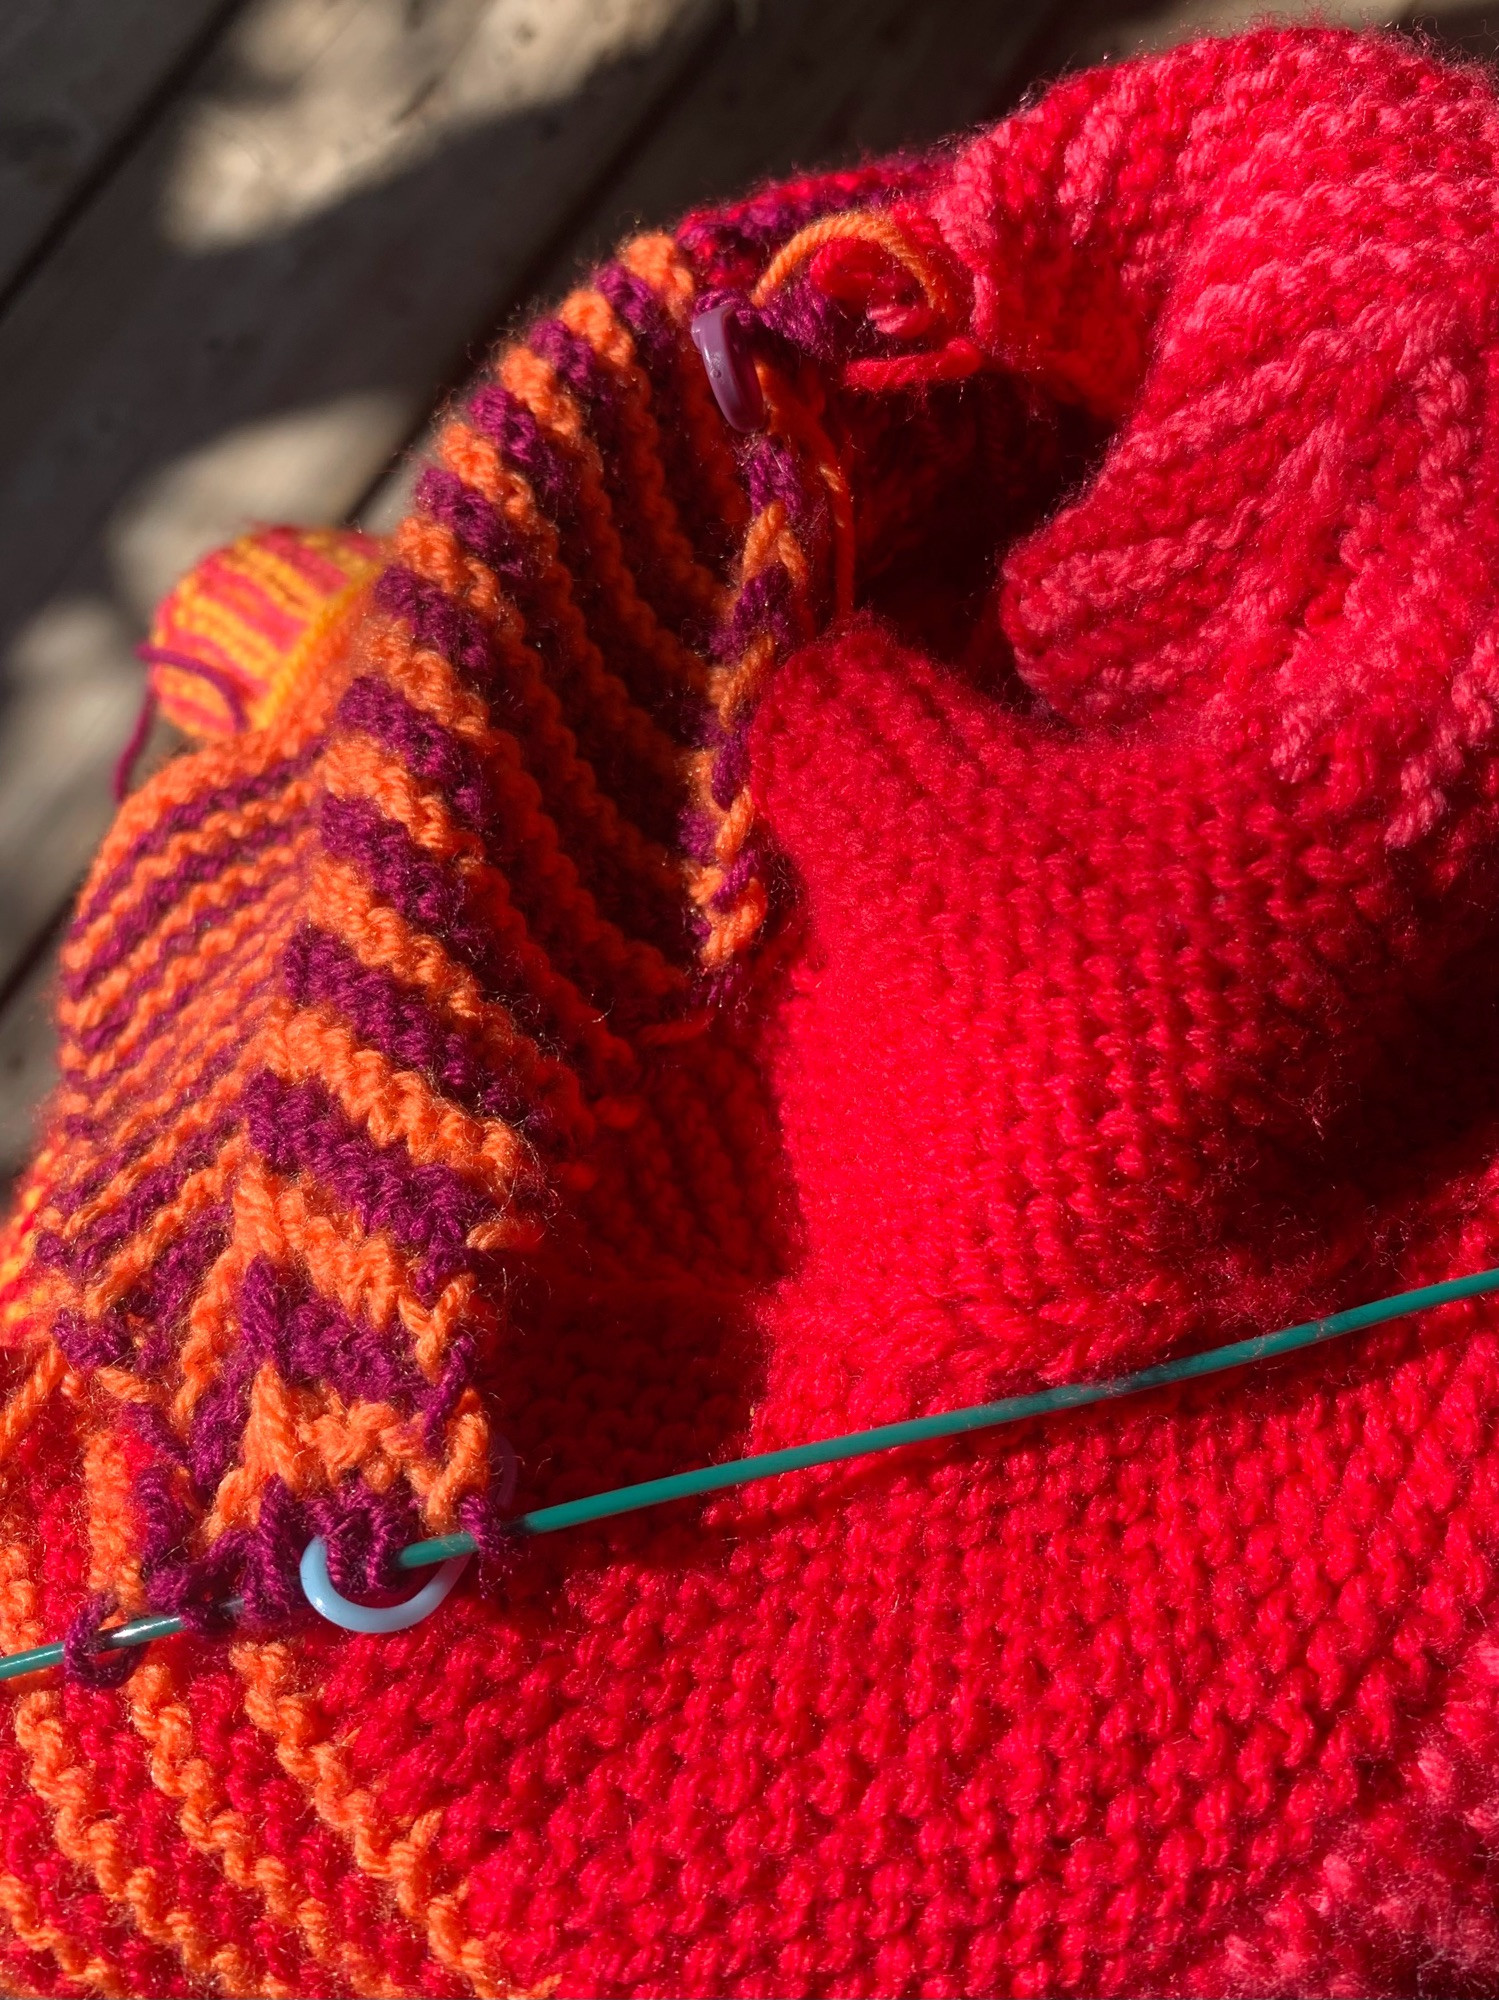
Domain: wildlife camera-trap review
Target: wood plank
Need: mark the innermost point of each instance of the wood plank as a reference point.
(251, 317)
(28, 1065)
(76, 78)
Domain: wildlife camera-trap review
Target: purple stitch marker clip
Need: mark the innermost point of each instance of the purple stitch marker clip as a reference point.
(731, 371)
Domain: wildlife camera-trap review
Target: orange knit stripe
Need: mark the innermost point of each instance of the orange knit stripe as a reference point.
(20, 1628)
(535, 384)
(397, 1107)
(20, 1910)
(200, 1191)
(633, 960)
(432, 551)
(213, 1826)
(381, 939)
(221, 1017)
(307, 1752)
(114, 1545)
(658, 263)
(212, 1321)
(177, 783)
(25, 1404)
(157, 1013)
(218, 957)
(97, 1842)
(225, 829)
(366, 1274)
(312, 1440)
(196, 906)
(463, 1469)
(357, 767)
(590, 315)
(92, 1840)
(199, 1115)
(430, 685)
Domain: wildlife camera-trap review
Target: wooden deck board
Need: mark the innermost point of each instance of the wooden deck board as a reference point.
(211, 343)
(76, 81)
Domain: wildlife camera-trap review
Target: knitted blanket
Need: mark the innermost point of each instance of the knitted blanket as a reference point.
(710, 940)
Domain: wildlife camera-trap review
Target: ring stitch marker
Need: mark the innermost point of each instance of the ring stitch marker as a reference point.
(331, 1604)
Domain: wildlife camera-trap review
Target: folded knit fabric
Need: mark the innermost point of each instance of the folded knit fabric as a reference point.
(989, 880)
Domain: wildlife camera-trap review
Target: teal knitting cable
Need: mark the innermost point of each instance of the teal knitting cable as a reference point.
(857, 1444)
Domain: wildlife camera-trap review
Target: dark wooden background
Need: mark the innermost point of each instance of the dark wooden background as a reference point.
(247, 246)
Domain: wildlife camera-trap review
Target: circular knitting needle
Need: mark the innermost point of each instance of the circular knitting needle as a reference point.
(855, 1444)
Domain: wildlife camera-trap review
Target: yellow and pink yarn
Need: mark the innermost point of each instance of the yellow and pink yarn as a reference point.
(252, 622)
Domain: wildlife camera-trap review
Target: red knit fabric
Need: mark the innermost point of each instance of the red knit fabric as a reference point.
(1130, 986)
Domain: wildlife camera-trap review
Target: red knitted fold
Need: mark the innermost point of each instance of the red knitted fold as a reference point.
(991, 881)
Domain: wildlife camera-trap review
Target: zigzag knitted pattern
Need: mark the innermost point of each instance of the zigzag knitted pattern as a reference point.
(1080, 951)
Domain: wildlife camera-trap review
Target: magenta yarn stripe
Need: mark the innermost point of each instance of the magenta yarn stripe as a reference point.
(495, 414)
(180, 944)
(312, 1342)
(157, 1032)
(731, 246)
(437, 756)
(510, 963)
(297, 1128)
(664, 354)
(397, 1021)
(183, 817)
(86, 1258)
(601, 397)
(672, 706)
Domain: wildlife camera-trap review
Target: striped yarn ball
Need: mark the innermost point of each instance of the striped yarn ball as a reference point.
(252, 623)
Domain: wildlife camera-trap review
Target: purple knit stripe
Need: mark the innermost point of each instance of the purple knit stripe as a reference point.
(478, 525)
(153, 1308)
(298, 1128)
(86, 1126)
(657, 342)
(106, 1342)
(497, 415)
(186, 815)
(432, 899)
(580, 369)
(596, 389)
(764, 605)
(311, 1342)
(743, 870)
(428, 895)
(163, 1297)
(442, 626)
(136, 922)
(160, 1029)
(92, 1251)
(507, 423)
(187, 939)
(363, 1530)
(396, 1019)
(659, 348)
(437, 756)
(440, 757)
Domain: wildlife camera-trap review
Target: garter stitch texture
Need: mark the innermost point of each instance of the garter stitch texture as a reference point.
(989, 881)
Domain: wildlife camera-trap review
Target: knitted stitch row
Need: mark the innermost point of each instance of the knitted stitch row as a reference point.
(1080, 953)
